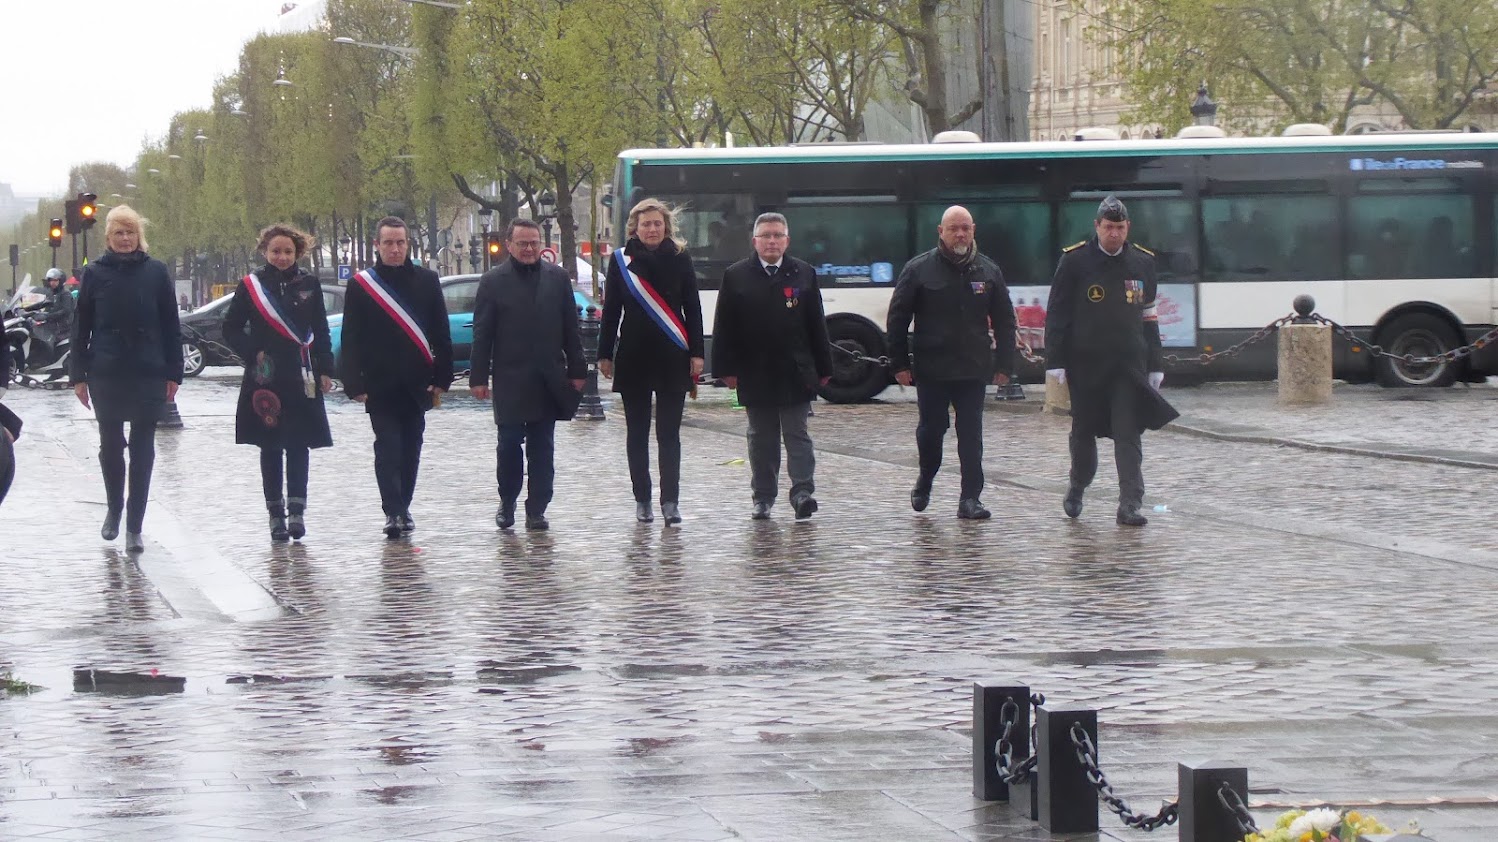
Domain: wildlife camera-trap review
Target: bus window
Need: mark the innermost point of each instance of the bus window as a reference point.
(1016, 235)
(1411, 236)
(1276, 237)
(851, 244)
(715, 226)
(1166, 227)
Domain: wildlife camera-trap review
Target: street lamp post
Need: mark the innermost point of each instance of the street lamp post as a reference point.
(406, 52)
(1203, 109)
(547, 202)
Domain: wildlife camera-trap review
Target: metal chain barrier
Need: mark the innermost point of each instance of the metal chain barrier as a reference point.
(1230, 801)
(861, 357)
(1259, 335)
(1012, 773)
(1450, 356)
(1087, 756)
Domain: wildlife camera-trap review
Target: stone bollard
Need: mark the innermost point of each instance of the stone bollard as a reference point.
(1202, 816)
(591, 407)
(1305, 358)
(1067, 800)
(1057, 396)
(989, 703)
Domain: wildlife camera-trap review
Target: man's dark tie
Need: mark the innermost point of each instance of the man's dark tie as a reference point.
(772, 269)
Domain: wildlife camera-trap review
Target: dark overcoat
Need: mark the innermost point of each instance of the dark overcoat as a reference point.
(525, 337)
(377, 357)
(645, 359)
(1101, 328)
(274, 408)
(771, 333)
(127, 342)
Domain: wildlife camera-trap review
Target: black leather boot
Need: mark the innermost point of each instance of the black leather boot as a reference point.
(295, 525)
(278, 530)
(1072, 502)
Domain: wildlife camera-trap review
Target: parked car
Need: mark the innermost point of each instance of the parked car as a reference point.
(203, 331)
(459, 293)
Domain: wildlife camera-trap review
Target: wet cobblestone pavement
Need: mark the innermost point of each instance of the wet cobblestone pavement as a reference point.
(1320, 617)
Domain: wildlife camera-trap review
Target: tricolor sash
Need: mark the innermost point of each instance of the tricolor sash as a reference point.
(273, 310)
(664, 317)
(386, 298)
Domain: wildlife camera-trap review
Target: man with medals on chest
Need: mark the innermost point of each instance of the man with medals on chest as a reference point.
(1102, 340)
(770, 343)
(397, 360)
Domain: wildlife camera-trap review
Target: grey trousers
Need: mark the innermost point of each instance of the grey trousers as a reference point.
(768, 425)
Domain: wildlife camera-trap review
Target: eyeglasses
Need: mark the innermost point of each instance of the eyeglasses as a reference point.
(772, 236)
(525, 244)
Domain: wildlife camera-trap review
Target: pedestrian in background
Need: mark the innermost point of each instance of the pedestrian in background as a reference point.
(964, 338)
(397, 360)
(770, 343)
(278, 325)
(126, 364)
(10, 430)
(652, 288)
(525, 335)
(1102, 339)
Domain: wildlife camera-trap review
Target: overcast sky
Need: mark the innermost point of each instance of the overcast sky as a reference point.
(89, 80)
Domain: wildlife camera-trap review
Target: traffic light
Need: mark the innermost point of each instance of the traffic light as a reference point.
(88, 209)
(54, 233)
(494, 247)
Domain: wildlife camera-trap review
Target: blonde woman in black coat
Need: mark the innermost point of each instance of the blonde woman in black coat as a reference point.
(657, 352)
(127, 363)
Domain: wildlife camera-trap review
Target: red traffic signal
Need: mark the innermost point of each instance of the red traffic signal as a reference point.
(54, 233)
(88, 209)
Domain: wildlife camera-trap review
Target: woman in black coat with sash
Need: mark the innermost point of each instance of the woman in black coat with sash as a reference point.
(656, 352)
(278, 325)
(127, 363)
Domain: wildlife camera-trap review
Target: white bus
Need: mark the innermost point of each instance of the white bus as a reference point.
(1393, 235)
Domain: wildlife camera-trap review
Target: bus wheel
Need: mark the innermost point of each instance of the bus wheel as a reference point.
(1422, 335)
(854, 380)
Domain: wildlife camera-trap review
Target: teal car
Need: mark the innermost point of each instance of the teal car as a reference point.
(458, 293)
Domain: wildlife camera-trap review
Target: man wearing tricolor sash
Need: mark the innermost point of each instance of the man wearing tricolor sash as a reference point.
(397, 360)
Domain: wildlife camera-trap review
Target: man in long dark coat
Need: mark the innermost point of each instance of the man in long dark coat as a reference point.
(770, 343)
(1102, 339)
(525, 336)
(397, 360)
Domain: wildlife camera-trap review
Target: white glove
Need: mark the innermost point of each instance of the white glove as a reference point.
(1058, 373)
(1156, 378)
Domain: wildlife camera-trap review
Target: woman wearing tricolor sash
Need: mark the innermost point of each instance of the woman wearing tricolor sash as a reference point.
(278, 325)
(657, 352)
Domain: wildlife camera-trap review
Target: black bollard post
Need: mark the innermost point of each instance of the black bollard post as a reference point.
(991, 704)
(1304, 306)
(1067, 800)
(170, 418)
(1203, 816)
(591, 408)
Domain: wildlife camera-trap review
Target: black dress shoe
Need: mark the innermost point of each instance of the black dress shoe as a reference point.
(134, 543)
(920, 497)
(278, 528)
(643, 514)
(407, 523)
(1072, 502)
(805, 506)
(972, 509)
(296, 526)
(670, 513)
(536, 522)
(505, 517)
(1130, 516)
(111, 528)
(392, 526)
(761, 511)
